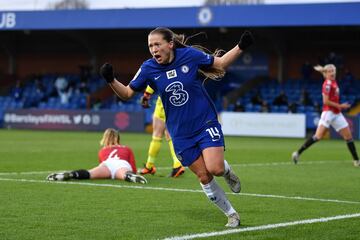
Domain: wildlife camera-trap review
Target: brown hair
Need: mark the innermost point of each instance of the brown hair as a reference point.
(180, 42)
(110, 137)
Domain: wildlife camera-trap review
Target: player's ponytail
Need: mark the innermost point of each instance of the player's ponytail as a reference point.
(323, 69)
(110, 137)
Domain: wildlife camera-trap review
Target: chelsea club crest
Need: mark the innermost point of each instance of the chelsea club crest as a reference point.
(184, 69)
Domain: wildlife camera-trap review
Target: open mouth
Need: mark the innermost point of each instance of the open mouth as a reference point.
(157, 57)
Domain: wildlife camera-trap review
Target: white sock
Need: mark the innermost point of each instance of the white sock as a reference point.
(226, 168)
(215, 193)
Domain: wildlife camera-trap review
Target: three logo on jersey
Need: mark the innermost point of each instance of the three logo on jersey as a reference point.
(179, 96)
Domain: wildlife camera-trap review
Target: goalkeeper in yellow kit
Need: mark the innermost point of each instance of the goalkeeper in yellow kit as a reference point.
(159, 130)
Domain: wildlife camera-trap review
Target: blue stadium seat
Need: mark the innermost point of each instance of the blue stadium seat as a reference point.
(283, 109)
(301, 109)
(248, 107)
(256, 108)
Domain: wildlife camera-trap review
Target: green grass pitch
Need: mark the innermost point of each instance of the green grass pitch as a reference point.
(300, 198)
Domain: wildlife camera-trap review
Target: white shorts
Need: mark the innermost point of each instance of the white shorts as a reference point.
(115, 164)
(337, 121)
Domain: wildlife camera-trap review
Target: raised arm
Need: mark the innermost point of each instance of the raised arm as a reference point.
(223, 62)
(124, 92)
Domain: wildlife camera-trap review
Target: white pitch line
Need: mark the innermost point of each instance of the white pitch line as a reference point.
(263, 227)
(179, 190)
(286, 163)
(166, 168)
(296, 198)
(29, 173)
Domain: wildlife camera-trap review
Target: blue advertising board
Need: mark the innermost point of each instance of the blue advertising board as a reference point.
(81, 120)
(312, 120)
(331, 14)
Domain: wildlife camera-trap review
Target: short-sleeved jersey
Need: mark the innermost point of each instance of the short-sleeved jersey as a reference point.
(188, 107)
(331, 89)
(120, 152)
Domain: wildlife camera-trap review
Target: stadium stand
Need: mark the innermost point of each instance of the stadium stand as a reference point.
(280, 62)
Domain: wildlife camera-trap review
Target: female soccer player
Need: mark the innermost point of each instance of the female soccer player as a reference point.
(331, 115)
(116, 162)
(191, 118)
(159, 130)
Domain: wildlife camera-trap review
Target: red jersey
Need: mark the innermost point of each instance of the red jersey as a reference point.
(120, 152)
(331, 89)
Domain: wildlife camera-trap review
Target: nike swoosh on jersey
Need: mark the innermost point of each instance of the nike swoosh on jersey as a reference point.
(156, 78)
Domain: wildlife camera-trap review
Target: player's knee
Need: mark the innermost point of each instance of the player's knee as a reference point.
(318, 137)
(157, 134)
(204, 177)
(348, 138)
(217, 170)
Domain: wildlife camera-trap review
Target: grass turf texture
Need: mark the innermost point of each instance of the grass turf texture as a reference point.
(37, 209)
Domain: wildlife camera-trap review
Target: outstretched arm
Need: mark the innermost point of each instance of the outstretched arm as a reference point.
(223, 62)
(124, 92)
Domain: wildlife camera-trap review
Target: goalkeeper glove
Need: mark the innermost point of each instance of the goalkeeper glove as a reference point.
(145, 100)
(246, 40)
(107, 72)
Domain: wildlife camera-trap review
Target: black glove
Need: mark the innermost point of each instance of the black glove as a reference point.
(246, 40)
(145, 100)
(107, 72)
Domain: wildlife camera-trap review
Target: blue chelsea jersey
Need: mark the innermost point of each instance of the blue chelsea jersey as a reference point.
(188, 107)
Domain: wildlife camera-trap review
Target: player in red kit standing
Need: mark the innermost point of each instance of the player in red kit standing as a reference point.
(331, 115)
(116, 162)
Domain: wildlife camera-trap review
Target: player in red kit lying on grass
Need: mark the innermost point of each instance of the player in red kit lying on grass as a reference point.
(116, 162)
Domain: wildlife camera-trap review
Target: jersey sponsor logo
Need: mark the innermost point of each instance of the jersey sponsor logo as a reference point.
(137, 74)
(327, 88)
(185, 69)
(171, 74)
(157, 77)
(179, 96)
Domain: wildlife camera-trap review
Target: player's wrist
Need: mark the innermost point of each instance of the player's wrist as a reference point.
(147, 95)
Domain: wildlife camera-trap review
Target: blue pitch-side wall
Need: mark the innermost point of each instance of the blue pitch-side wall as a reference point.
(336, 14)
